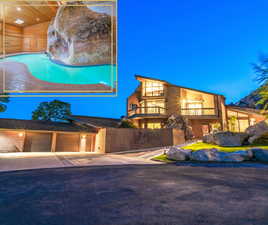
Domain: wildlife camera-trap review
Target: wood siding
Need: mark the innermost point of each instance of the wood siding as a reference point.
(13, 39)
(35, 37)
(10, 141)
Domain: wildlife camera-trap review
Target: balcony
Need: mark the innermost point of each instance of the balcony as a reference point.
(198, 112)
(147, 111)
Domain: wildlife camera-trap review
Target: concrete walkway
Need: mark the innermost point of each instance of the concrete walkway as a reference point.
(24, 161)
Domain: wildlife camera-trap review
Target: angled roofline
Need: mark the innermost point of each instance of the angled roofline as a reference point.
(246, 110)
(164, 81)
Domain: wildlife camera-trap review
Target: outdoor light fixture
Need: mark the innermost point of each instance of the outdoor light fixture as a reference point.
(19, 21)
(83, 136)
(18, 8)
(20, 134)
(37, 19)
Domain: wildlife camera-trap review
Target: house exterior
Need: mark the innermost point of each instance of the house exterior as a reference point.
(155, 100)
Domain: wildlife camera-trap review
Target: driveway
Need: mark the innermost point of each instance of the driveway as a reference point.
(155, 194)
(27, 160)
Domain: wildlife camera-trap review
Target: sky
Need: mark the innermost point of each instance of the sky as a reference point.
(207, 45)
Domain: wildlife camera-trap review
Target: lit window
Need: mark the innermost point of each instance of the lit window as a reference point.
(153, 107)
(252, 121)
(154, 125)
(152, 88)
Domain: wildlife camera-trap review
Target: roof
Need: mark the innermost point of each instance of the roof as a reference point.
(97, 122)
(43, 125)
(150, 78)
(246, 110)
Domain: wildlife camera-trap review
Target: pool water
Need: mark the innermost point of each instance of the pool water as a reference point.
(44, 69)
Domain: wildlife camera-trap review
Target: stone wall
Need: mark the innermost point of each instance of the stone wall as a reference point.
(124, 139)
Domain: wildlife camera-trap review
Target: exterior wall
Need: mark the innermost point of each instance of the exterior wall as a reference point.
(100, 141)
(124, 139)
(11, 141)
(197, 124)
(173, 100)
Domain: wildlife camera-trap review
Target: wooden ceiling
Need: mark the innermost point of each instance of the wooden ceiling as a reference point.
(31, 12)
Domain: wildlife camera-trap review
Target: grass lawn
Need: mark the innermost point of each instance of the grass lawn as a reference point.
(163, 158)
(201, 145)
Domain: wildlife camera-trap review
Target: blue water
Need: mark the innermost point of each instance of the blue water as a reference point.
(44, 69)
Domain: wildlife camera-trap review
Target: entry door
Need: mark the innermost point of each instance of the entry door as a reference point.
(37, 142)
(205, 129)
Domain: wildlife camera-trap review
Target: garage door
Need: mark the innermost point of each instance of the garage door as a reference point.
(67, 142)
(37, 142)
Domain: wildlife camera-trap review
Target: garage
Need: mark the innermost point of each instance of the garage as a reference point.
(37, 142)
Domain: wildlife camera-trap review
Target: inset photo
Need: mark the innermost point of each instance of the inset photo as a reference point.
(58, 47)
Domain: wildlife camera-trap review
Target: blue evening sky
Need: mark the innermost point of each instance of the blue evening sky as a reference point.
(207, 45)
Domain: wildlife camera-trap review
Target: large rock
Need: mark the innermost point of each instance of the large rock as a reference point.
(178, 154)
(260, 154)
(204, 155)
(237, 156)
(213, 155)
(226, 139)
(82, 35)
(257, 131)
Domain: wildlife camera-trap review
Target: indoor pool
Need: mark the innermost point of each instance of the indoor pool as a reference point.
(44, 69)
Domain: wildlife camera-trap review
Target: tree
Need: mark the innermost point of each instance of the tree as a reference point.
(125, 123)
(261, 70)
(3, 103)
(52, 111)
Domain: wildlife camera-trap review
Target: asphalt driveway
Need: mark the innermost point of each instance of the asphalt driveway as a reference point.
(135, 194)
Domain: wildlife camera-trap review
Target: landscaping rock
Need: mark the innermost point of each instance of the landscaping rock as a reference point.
(213, 155)
(260, 154)
(226, 139)
(237, 156)
(204, 155)
(81, 35)
(257, 131)
(178, 154)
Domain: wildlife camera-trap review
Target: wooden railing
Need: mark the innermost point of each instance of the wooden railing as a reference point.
(198, 111)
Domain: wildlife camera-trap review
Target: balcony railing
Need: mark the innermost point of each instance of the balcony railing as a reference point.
(158, 93)
(148, 110)
(198, 111)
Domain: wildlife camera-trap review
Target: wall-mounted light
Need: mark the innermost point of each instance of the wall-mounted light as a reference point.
(37, 19)
(19, 21)
(21, 134)
(18, 9)
(83, 136)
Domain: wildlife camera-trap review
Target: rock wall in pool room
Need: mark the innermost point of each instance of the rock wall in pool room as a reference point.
(82, 35)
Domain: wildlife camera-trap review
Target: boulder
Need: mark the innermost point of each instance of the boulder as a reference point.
(257, 131)
(204, 155)
(260, 154)
(213, 155)
(227, 139)
(82, 35)
(178, 154)
(237, 156)
(209, 138)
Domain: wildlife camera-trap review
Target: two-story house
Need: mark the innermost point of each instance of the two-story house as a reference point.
(155, 100)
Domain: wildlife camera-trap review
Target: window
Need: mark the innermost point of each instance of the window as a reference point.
(152, 88)
(154, 125)
(252, 121)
